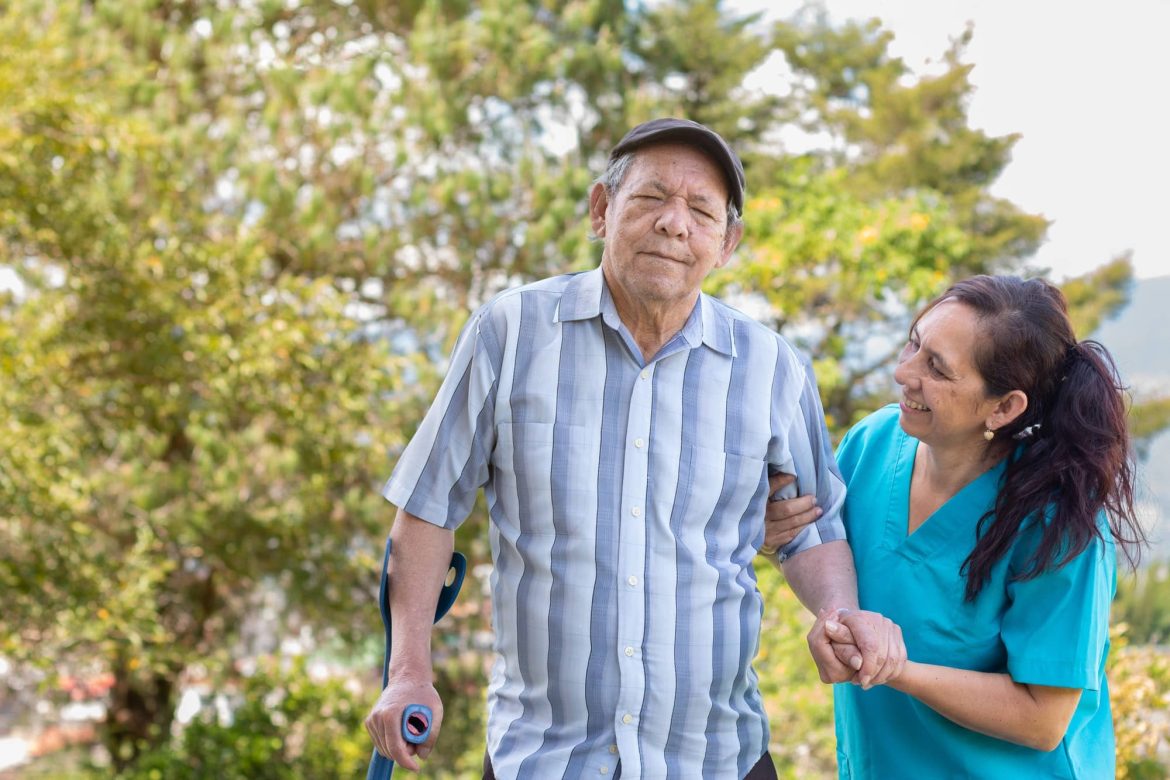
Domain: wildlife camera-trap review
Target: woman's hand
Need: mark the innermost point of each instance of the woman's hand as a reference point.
(786, 518)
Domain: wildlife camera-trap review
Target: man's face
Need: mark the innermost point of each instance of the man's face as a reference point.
(665, 228)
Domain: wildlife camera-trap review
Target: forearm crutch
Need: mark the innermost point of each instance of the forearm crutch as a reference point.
(416, 719)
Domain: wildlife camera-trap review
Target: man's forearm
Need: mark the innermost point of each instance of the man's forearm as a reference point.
(823, 577)
(418, 565)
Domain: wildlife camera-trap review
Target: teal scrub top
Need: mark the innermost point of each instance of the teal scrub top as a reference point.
(1050, 630)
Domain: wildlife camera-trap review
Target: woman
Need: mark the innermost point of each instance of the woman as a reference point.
(982, 511)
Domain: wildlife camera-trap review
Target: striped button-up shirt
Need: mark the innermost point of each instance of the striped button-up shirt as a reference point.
(627, 504)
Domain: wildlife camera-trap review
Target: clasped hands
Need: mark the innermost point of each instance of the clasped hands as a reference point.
(857, 646)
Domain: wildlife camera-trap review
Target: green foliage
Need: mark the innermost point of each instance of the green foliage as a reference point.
(843, 244)
(799, 706)
(1099, 294)
(897, 132)
(283, 726)
(191, 417)
(1143, 604)
(698, 54)
(833, 269)
(1139, 691)
(1146, 420)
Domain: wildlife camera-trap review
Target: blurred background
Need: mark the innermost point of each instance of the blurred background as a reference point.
(238, 239)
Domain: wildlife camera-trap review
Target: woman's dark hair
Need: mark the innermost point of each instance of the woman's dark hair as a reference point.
(1078, 461)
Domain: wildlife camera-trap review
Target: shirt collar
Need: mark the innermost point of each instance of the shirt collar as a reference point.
(587, 296)
(718, 330)
(581, 299)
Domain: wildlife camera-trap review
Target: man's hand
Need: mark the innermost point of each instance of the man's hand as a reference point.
(877, 639)
(384, 723)
(785, 519)
(839, 661)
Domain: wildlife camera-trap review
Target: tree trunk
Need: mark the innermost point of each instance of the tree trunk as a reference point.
(142, 708)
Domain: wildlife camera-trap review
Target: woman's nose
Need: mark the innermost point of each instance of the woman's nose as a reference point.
(902, 372)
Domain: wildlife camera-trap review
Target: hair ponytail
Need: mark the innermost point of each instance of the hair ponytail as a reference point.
(1080, 463)
(1073, 458)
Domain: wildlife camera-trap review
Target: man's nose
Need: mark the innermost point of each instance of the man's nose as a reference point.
(673, 219)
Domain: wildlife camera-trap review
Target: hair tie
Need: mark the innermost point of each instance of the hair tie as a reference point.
(1027, 433)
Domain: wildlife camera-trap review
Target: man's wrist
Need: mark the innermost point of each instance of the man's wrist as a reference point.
(841, 607)
(411, 667)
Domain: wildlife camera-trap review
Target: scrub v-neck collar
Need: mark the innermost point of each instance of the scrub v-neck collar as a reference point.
(953, 523)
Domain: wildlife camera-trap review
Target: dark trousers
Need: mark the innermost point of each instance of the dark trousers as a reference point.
(763, 770)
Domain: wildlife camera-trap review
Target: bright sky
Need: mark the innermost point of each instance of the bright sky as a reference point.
(1084, 83)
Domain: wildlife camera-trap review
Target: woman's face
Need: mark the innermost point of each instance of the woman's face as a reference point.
(944, 399)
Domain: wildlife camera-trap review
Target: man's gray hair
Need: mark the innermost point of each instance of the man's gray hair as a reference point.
(615, 174)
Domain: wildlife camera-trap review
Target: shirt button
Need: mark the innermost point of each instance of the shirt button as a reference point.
(613, 749)
(646, 373)
(604, 770)
(636, 511)
(627, 719)
(632, 580)
(638, 443)
(629, 652)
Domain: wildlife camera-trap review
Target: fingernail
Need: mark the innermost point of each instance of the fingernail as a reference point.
(820, 511)
(865, 681)
(855, 662)
(832, 626)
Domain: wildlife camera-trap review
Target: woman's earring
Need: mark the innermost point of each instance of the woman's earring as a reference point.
(989, 434)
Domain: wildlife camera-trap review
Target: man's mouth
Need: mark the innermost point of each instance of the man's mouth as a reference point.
(661, 256)
(915, 406)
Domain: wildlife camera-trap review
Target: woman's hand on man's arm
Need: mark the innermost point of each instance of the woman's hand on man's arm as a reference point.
(786, 518)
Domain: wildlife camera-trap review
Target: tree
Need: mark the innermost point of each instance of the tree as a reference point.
(845, 241)
(190, 422)
(898, 132)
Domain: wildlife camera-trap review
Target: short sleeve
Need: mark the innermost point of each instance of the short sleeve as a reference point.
(878, 432)
(446, 462)
(815, 469)
(1056, 627)
(848, 452)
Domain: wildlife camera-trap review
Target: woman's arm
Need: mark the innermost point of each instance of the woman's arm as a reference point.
(1035, 716)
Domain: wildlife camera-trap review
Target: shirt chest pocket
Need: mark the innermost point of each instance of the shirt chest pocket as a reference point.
(723, 493)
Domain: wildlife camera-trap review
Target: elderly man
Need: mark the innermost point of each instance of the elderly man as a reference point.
(624, 426)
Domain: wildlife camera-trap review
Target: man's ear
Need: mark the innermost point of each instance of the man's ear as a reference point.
(598, 204)
(1007, 409)
(730, 242)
